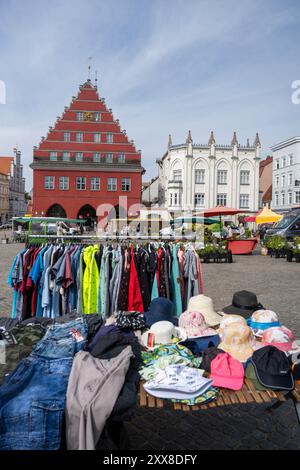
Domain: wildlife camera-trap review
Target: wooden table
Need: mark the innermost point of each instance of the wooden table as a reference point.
(248, 394)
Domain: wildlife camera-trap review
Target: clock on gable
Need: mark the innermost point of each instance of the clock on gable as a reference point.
(88, 116)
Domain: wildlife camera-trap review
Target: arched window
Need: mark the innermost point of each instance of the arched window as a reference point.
(56, 211)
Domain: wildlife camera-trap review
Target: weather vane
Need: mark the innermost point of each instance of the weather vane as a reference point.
(90, 66)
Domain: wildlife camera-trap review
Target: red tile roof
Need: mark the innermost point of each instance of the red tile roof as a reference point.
(5, 163)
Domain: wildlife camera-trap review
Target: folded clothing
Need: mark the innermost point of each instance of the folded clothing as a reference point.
(178, 382)
(63, 340)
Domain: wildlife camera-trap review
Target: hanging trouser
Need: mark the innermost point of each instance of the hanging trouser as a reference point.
(93, 389)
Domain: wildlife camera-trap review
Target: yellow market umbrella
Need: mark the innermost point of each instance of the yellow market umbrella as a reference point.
(267, 216)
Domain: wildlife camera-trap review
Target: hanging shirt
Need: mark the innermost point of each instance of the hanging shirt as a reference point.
(135, 301)
(90, 280)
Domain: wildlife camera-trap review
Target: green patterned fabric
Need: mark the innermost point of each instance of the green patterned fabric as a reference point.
(210, 395)
(170, 349)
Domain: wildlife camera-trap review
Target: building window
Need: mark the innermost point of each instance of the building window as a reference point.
(48, 182)
(121, 158)
(126, 184)
(282, 199)
(95, 184)
(96, 157)
(199, 199)
(245, 177)
(177, 175)
(221, 199)
(290, 179)
(290, 196)
(79, 157)
(109, 158)
(276, 200)
(66, 156)
(79, 116)
(81, 183)
(277, 164)
(283, 181)
(97, 116)
(297, 197)
(109, 138)
(112, 184)
(244, 201)
(66, 136)
(79, 136)
(283, 162)
(222, 176)
(64, 183)
(53, 156)
(199, 176)
(97, 137)
(276, 181)
(291, 159)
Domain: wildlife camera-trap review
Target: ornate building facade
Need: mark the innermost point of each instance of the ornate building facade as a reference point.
(198, 176)
(4, 198)
(86, 160)
(13, 169)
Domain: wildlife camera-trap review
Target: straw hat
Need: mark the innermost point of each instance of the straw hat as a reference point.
(203, 304)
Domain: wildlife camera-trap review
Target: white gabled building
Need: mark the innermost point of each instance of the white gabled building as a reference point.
(198, 176)
(286, 174)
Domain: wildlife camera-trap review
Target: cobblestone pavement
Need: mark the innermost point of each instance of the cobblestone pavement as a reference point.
(276, 284)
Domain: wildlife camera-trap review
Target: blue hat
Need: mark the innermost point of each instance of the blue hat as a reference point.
(160, 309)
(197, 345)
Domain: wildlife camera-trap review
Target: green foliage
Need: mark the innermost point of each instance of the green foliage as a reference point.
(248, 232)
(277, 243)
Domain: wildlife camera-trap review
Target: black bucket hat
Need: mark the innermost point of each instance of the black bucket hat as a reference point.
(273, 368)
(244, 303)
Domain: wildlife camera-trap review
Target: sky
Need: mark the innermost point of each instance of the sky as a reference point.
(164, 66)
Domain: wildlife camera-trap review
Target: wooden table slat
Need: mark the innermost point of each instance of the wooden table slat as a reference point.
(151, 401)
(241, 397)
(195, 408)
(253, 391)
(143, 396)
(160, 403)
(280, 396)
(248, 397)
(177, 406)
(225, 397)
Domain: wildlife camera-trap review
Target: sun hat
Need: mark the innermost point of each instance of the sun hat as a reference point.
(262, 320)
(238, 340)
(280, 337)
(243, 303)
(227, 372)
(273, 368)
(164, 332)
(193, 322)
(228, 320)
(208, 355)
(160, 309)
(203, 304)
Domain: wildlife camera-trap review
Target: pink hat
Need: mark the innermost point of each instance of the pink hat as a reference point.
(280, 337)
(195, 325)
(227, 372)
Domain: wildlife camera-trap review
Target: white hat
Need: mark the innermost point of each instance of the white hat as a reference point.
(204, 305)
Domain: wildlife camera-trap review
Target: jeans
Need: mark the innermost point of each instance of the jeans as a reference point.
(32, 402)
(63, 340)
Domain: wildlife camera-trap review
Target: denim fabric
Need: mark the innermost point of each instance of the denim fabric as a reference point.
(55, 348)
(63, 340)
(32, 402)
